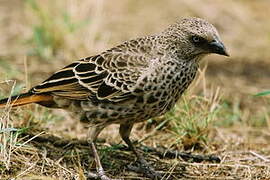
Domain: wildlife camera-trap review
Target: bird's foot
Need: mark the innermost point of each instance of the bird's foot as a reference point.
(144, 168)
(100, 175)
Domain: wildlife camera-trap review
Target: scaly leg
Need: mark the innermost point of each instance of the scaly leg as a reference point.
(94, 132)
(144, 167)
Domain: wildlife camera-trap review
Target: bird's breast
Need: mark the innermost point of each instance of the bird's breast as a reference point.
(164, 86)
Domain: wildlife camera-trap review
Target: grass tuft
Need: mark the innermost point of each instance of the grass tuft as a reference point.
(192, 119)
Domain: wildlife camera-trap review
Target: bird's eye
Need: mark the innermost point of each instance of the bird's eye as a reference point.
(196, 39)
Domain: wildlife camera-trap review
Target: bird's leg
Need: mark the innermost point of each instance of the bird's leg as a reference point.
(94, 132)
(144, 167)
(100, 171)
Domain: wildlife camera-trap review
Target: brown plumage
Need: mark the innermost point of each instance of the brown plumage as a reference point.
(132, 82)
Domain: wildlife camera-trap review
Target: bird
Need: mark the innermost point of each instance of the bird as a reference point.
(139, 79)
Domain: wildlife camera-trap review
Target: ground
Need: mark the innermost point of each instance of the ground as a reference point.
(219, 115)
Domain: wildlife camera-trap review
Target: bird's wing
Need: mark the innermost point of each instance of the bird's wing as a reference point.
(108, 76)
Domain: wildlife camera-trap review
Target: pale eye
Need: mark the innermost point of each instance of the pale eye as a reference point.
(196, 39)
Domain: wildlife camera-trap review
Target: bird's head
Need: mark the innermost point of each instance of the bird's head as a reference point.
(194, 38)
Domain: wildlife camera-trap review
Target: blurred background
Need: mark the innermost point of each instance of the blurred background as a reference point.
(39, 37)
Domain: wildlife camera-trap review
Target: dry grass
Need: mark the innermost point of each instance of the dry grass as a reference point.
(219, 115)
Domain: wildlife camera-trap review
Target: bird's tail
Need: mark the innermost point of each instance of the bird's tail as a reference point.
(27, 98)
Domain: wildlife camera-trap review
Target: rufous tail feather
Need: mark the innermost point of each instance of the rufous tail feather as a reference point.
(26, 98)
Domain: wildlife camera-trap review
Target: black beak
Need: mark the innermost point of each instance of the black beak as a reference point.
(218, 47)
